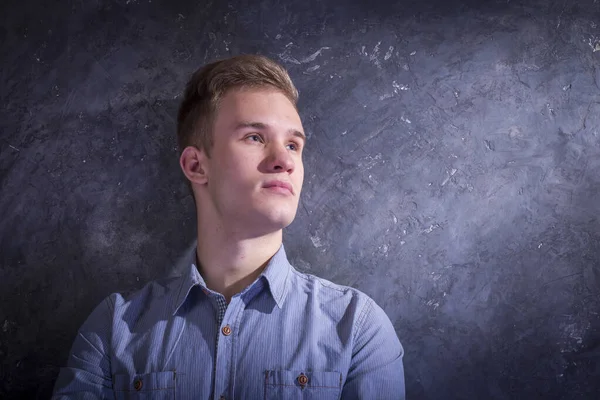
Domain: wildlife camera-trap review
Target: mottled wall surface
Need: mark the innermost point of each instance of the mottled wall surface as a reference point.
(452, 173)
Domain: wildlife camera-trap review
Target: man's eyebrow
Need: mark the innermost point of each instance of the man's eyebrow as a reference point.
(263, 126)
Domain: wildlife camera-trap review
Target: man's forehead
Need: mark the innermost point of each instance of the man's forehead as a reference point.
(244, 109)
(243, 92)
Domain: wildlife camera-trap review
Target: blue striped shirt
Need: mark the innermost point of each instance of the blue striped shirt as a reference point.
(288, 335)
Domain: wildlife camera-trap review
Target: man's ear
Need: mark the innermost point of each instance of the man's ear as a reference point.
(194, 164)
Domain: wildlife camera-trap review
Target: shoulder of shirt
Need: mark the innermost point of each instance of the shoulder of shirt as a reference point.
(162, 289)
(339, 298)
(364, 307)
(328, 286)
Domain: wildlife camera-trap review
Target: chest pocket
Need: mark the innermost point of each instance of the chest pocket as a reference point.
(155, 385)
(303, 385)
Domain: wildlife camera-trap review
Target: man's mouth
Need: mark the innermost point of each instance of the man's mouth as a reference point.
(279, 187)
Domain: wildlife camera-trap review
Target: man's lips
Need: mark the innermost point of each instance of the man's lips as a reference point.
(279, 184)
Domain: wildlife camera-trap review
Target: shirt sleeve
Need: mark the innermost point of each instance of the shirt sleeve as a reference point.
(376, 370)
(87, 374)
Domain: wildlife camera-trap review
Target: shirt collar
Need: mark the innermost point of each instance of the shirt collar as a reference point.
(275, 273)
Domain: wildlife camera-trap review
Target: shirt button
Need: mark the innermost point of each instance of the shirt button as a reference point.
(137, 385)
(226, 331)
(302, 379)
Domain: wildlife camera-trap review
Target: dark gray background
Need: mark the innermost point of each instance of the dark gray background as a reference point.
(452, 173)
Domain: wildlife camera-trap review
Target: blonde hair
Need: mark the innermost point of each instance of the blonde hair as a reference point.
(209, 84)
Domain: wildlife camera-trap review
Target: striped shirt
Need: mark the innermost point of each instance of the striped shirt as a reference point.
(288, 335)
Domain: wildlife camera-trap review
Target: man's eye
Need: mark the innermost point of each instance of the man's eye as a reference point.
(294, 146)
(255, 138)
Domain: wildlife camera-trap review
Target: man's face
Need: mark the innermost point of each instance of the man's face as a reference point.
(258, 142)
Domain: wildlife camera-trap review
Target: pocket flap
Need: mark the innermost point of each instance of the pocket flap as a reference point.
(144, 382)
(314, 379)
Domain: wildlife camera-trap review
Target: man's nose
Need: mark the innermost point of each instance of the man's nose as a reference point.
(280, 159)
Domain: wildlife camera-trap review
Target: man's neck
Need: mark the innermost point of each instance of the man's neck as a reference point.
(228, 264)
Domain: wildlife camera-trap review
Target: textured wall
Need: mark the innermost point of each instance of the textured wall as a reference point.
(452, 173)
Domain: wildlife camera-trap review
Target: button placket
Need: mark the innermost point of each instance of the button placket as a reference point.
(224, 366)
(226, 330)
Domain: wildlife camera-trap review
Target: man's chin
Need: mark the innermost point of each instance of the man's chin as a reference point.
(278, 224)
(271, 223)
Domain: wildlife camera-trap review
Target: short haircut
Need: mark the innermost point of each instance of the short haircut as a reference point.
(209, 84)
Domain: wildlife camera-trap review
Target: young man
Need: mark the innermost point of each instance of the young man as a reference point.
(241, 323)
